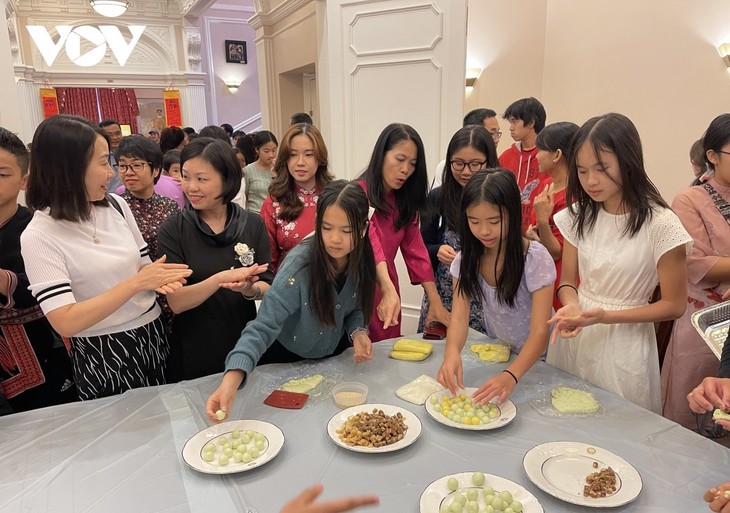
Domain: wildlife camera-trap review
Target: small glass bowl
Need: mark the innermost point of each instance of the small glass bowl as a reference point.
(350, 394)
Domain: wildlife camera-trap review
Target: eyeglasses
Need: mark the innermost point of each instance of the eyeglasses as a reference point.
(495, 135)
(474, 165)
(136, 167)
(725, 152)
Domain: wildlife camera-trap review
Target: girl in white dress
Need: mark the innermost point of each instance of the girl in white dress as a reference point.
(621, 239)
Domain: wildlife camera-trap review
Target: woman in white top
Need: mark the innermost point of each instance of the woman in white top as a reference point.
(88, 265)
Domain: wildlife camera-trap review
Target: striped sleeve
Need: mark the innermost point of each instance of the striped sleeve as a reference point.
(12, 284)
(144, 250)
(45, 266)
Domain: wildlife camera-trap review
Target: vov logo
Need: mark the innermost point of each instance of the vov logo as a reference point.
(99, 37)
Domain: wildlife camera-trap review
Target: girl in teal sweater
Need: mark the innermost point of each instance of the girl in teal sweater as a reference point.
(319, 301)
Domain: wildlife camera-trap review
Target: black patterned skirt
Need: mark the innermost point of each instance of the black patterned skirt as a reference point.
(111, 364)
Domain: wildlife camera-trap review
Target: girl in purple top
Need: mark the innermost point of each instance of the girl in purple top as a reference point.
(511, 276)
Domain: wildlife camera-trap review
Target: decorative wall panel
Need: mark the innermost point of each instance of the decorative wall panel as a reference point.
(395, 30)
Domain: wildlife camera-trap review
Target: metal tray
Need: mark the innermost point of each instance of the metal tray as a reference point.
(713, 324)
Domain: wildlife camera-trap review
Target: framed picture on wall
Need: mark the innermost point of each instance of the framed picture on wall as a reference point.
(236, 51)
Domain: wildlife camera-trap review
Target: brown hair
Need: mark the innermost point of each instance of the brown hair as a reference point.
(284, 187)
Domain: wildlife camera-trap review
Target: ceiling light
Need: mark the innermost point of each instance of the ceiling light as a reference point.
(109, 8)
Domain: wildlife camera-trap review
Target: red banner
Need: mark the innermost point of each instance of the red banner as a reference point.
(173, 116)
(50, 102)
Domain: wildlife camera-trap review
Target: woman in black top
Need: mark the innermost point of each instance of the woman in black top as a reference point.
(227, 248)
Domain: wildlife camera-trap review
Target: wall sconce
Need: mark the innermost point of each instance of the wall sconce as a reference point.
(471, 78)
(724, 50)
(233, 85)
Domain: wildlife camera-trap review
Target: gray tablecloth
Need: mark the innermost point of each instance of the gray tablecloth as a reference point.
(123, 453)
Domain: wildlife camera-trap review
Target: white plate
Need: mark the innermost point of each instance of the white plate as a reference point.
(560, 469)
(412, 433)
(438, 491)
(193, 450)
(507, 412)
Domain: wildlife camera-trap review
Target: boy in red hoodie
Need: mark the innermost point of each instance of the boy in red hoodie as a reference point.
(526, 118)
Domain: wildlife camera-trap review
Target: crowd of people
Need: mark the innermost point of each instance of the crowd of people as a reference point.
(132, 250)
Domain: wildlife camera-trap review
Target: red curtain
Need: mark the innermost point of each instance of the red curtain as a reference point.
(120, 105)
(78, 100)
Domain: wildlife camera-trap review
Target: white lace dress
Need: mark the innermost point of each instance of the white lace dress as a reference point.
(618, 273)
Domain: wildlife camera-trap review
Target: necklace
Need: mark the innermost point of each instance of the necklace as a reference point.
(95, 239)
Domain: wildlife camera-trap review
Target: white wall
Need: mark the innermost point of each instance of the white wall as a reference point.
(242, 108)
(506, 41)
(390, 61)
(655, 61)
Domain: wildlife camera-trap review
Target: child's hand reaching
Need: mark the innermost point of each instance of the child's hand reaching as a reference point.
(450, 374)
(499, 386)
(363, 347)
(223, 396)
(718, 498)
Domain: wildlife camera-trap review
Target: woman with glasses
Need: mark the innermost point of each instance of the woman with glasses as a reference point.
(705, 213)
(140, 167)
(470, 150)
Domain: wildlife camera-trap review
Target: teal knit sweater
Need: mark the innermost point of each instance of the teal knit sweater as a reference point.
(285, 316)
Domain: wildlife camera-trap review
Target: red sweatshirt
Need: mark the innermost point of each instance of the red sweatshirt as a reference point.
(526, 169)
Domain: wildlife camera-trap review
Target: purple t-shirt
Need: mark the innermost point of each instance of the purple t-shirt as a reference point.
(512, 324)
(166, 187)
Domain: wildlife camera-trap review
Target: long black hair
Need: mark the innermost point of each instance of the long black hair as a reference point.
(613, 133)
(498, 187)
(411, 198)
(472, 136)
(361, 263)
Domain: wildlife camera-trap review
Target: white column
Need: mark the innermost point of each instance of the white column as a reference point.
(29, 99)
(268, 83)
(192, 102)
(10, 112)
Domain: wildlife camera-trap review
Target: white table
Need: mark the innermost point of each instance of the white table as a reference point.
(122, 454)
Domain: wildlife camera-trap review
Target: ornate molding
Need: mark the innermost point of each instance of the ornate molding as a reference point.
(265, 15)
(145, 9)
(193, 41)
(13, 37)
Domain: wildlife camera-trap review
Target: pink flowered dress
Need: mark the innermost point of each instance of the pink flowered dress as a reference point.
(688, 359)
(284, 235)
